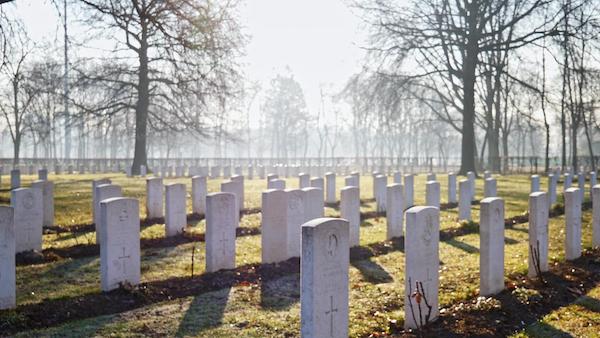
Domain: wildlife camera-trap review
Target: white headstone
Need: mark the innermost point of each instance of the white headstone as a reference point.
(295, 218)
(432, 194)
(535, 183)
(593, 181)
(199, 192)
(221, 223)
(7, 259)
(471, 178)
(175, 209)
(380, 186)
(271, 177)
(120, 242)
(431, 177)
(397, 177)
(395, 211)
(313, 203)
(491, 244)
(350, 211)
(551, 189)
(235, 188)
(330, 189)
(568, 181)
(422, 263)
(154, 198)
(581, 184)
(95, 202)
(276, 184)
(351, 181)
(240, 193)
(324, 278)
(489, 187)
(47, 189)
(15, 179)
(487, 174)
(538, 232)
(596, 216)
(452, 188)
(274, 226)
(573, 223)
(464, 200)
(43, 174)
(409, 200)
(28, 218)
(303, 180)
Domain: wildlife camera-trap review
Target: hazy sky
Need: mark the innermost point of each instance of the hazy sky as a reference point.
(319, 40)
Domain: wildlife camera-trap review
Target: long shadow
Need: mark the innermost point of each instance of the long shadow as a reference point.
(462, 245)
(510, 241)
(589, 303)
(205, 311)
(372, 272)
(541, 329)
(279, 294)
(518, 310)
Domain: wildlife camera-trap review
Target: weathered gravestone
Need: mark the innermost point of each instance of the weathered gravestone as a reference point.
(350, 211)
(273, 226)
(535, 183)
(538, 233)
(432, 194)
(47, 189)
(324, 278)
(221, 223)
(330, 188)
(596, 216)
(573, 223)
(175, 209)
(409, 199)
(491, 246)
(28, 218)
(395, 211)
(422, 263)
(464, 200)
(199, 192)
(7, 259)
(489, 187)
(452, 188)
(296, 200)
(119, 243)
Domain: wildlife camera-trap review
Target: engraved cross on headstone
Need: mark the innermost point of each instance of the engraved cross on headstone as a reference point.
(122, 258)
(223, 241)
(330, 312)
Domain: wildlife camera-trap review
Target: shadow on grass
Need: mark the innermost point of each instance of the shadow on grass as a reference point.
(372, 272)
(205, 311)
(281, 293)
(541, 329)
(462, 245)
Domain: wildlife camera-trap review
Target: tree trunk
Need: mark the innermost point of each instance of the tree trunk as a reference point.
(141, 111)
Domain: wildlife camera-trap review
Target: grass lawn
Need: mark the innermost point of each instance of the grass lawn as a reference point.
(267, 307)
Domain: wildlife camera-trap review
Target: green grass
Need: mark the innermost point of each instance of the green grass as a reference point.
(272, 308)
